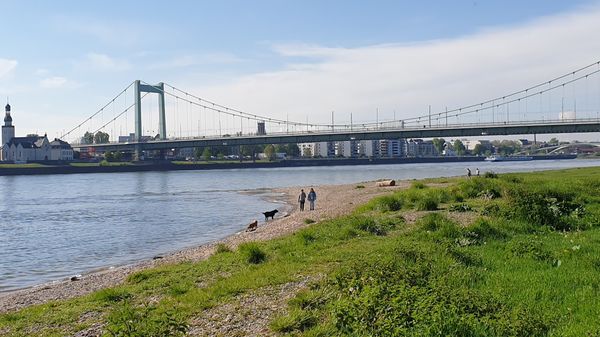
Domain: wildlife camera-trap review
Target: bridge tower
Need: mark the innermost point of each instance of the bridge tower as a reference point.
(162, 127)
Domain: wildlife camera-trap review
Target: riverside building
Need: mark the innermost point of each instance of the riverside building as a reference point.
(31, 147)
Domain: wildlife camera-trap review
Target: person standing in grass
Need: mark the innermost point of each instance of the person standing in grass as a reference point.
(312, 197)
(302, 199)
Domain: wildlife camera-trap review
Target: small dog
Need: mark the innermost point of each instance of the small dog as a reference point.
(252, 226)
(270, 214)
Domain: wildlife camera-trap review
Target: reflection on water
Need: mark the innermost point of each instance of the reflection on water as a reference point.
(58, 225)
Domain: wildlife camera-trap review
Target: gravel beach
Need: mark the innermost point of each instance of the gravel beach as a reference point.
(332, 201)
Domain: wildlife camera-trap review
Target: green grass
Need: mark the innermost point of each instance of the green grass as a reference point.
(28, 165)
(512, 270)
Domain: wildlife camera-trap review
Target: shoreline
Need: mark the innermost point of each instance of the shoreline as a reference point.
(332, 201)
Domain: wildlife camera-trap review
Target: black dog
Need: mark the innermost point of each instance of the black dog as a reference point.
(270, 214)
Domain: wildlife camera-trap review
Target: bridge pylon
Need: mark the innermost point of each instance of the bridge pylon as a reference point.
(162, 127)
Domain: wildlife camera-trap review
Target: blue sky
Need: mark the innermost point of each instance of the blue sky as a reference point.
(62, 60)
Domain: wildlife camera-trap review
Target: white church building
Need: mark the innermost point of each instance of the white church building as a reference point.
(32, 147)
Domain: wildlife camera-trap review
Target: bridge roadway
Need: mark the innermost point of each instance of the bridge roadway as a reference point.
(462, 130)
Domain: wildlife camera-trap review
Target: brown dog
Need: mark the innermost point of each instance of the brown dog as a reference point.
(252, 226)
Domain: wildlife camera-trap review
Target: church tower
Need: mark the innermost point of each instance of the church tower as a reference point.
(8, 130)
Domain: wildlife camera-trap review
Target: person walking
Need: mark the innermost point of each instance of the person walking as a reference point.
(312, 197)
(468, 173)
(477, 171)
(302, 199)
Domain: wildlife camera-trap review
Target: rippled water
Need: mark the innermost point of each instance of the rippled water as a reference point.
(55, 226)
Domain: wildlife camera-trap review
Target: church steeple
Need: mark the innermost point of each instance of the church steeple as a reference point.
(8, 130)
(7, 117)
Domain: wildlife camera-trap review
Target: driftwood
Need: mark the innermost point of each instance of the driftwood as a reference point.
(384, 183)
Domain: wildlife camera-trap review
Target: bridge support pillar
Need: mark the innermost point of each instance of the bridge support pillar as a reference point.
(162, 124)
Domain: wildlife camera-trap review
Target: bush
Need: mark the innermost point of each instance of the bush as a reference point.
(309, 221)
(490, 175)
(551, 208)
(252, 253)
(360, 186)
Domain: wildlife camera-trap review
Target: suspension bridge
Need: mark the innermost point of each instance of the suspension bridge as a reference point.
(569, 103)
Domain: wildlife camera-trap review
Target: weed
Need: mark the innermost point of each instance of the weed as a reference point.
(389, 203)
(460, 208)
(252, 253)
(146, 320)
(112, 295)
(222, 248)
(418, 185)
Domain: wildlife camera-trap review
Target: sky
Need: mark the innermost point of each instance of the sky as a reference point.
(61, 61)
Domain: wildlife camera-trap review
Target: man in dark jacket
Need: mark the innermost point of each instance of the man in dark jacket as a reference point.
(302, 199)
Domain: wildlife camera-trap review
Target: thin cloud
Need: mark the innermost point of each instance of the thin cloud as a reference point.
(407, 78)
(7, 66)
(53, 82)
(104, 62)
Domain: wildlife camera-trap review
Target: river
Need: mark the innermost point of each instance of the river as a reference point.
(55, 226)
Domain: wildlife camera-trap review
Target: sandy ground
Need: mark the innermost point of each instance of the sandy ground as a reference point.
(332, 201)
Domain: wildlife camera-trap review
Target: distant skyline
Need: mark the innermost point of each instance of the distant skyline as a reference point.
(61, 61)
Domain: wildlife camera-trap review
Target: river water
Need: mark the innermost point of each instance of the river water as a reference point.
(55, 226)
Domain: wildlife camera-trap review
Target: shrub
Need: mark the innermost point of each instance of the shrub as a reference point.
(490, 175)
(309, 221)
(252, 253)
(360, 186)
(550, 208)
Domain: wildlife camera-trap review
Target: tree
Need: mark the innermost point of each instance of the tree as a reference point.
(459, 147)
(207, 153)
(197, 153)
(270, 152)
(293, 150)
(101, 137)
(553, 141)
(117, 156)
(507, 147)
(438, 143)
(108, 156)
(88, 138)
(479, 149)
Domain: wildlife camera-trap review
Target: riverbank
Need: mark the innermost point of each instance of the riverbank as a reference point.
(333, 201)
